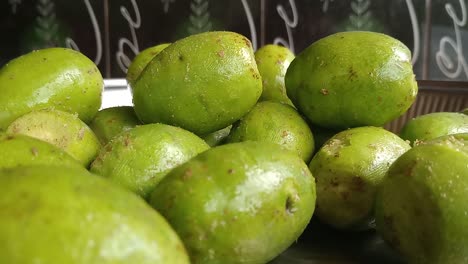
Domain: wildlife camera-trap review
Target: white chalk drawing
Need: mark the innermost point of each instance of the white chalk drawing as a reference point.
(199, 17)
(14, 5)
(250, 20)
(70, 43)
(166, 4)
(290, 23)
(361, 18)
(453, 69)
(123, 60)
(415, 28)
(325, 5)
(46, 27)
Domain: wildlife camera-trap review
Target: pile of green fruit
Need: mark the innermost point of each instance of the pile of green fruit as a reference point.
(226, 154)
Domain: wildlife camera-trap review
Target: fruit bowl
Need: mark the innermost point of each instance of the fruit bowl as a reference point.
(320, 243)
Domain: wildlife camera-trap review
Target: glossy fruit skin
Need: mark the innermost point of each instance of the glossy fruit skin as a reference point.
(109, 122)
(352, 79)
(139, 158)
(22, 150)
(61, 129)
(59, 78)
(201, 83)
(434, 125)
(276, 123)
(349, 169)
(238, 203)
(421, 208)
(273, 62)
(54, 214)
(141, 60)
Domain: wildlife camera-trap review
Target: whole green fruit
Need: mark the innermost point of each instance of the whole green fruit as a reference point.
(273, 62)
(201, 83)
(218, 137)
(238, 203)
(352, 79)
(58, 215)
(139, 158)
(21, 150)
(277, 123)
(58, 78)
(422, 206)
(109, 122)
(349, 169)
(61, 129)
(434, 125)
(141, 60)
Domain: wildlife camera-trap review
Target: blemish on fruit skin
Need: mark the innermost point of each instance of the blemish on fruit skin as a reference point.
(221, 53)
(181, 57)
(231, 171)
(188, 174)
(324, 91)
(81, 134)
(34, 151)
(352, 74)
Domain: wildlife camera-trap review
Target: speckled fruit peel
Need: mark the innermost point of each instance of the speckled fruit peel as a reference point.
(61, 78)
(141, 60)
(422, 208)
(273, 62)
(109, 122)
(22, 150)
(434, 125)
(348, 170)
(238, 203)
(201, 83)
(277, 123)
(58, 215)
(352, 79)
(61, 129)
(139, 158)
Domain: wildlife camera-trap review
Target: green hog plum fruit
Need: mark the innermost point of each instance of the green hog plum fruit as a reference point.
(22, 150)
(238, 203)
(201, 83)
(109, 122)
(277, 123)
(218, 137)
(422, 208)
(62, 129)
(352, 79)
(433, 125)
(349, 169)
(139, 158)
(58, 78)
(58, 215)
(141, 60)
(272, 62)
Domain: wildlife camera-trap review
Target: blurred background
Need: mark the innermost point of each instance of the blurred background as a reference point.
(111, 33)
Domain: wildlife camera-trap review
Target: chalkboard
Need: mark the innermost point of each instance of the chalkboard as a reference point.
(111, 33)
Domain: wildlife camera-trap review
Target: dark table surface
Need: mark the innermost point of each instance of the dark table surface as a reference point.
(320, 244)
